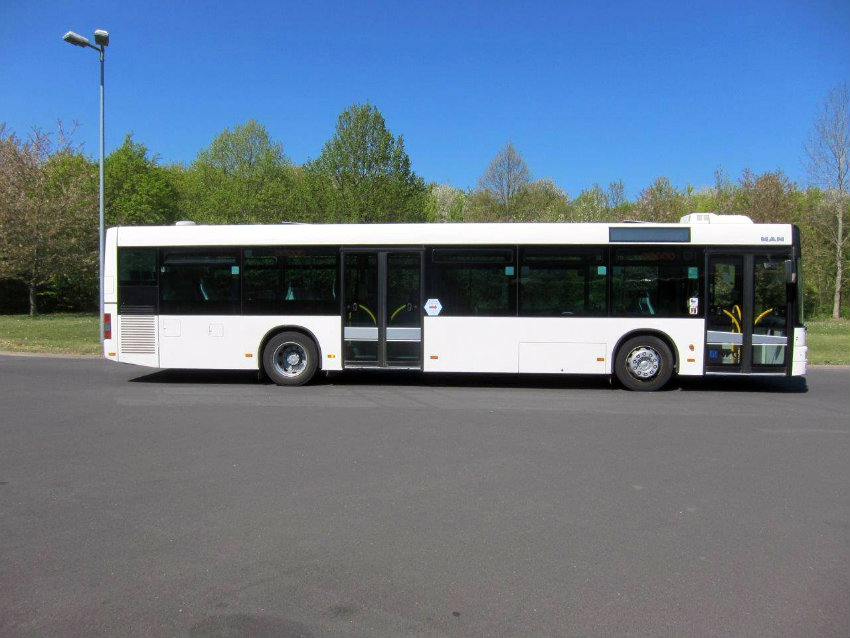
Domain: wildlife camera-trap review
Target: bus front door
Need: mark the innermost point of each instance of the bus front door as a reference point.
(748, 311)
(382, 316)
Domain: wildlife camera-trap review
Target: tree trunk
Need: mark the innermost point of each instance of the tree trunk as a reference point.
(839, 264)
(33, 304)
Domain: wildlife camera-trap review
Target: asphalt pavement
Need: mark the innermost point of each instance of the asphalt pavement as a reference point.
(136, 502)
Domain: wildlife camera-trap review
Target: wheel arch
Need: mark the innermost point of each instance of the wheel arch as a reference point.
(288, 328)
(645, 332)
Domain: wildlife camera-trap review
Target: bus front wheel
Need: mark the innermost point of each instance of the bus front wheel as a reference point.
(290, 358)
(644, 364)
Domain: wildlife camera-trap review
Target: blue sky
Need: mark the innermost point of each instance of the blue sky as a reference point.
(587, 91)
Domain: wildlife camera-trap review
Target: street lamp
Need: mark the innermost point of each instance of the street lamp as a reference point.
(101, 39)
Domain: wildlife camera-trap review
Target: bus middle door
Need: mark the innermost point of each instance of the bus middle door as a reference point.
(382, 316)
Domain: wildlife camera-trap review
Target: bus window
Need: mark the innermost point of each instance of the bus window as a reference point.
(558, 282)
(474, 282)
(656, 282)
(137, 286)
(199, 281)
(290, 281)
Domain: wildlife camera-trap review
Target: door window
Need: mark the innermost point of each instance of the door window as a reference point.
(770, 302)
(725, 311)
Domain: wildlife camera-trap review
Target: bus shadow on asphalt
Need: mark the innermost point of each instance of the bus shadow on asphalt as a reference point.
(780, 385)
(405, 378)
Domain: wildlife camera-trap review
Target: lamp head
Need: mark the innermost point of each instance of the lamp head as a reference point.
(101, 37)
(76, 39)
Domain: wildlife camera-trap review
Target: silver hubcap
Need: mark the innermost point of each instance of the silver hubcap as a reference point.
(290, 359)
(643, 363)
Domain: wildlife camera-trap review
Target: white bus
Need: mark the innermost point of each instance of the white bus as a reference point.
(640, 301)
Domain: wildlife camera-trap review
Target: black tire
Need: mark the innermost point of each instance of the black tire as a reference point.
(644, 364)
(290, 358)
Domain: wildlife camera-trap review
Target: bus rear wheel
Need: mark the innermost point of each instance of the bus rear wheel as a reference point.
(644, 364)
(290, 358)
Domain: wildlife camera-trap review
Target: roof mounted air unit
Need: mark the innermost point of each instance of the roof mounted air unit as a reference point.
(714, 218)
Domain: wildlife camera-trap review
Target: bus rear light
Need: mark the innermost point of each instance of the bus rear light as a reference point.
(107, 326)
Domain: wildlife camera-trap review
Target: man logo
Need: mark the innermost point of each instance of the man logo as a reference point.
(772, 239)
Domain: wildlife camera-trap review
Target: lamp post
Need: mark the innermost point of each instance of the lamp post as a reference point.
(101, 39)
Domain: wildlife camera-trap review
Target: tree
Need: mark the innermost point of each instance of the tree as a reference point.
(765, 198)
(242, 177)
(137, 190)
(504, 177)
(369, 171)
(828, 153)
(616, 195)
(821, 227)
(540, 200)
(591, 205)
(445, 203)
(482, 206)
(48, 213)
(661, 202)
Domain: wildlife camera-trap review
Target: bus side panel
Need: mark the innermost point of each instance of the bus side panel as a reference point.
(471, 344)
(229, 342)
(549, 345)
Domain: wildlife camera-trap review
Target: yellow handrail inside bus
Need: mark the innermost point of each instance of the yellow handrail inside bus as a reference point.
(367, 311)
(762, 316)
(398, 310)
(735, 322)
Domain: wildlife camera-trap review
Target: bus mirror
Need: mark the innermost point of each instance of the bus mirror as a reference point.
(790, 275)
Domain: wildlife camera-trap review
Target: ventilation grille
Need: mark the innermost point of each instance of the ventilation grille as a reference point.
(138, 334)
(124, 309)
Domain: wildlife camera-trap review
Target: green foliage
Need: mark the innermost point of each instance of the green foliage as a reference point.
(369, 172)
(137, 191)
(242, 177)
(483, 206)
(540, 200)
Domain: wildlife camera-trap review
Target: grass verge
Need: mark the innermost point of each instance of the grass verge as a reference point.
(829, 340)
(57, 334)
